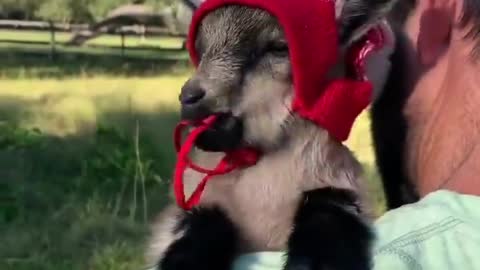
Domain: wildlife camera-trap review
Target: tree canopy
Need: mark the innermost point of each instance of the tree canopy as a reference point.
(72, 11)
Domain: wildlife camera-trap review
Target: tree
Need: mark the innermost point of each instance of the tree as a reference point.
(100, 8)
(19, 9)
(77, 11)
(54, 10)
(81, 10)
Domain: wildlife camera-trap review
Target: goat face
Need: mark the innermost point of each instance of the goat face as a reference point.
(244, 75)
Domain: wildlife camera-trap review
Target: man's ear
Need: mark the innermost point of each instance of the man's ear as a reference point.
(434, 33)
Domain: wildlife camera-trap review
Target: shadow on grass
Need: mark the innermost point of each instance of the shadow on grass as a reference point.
(78, 202)
(31, 63)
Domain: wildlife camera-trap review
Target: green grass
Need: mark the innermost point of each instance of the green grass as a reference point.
(78, 192)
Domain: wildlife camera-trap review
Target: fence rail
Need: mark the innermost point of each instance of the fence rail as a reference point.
(39, 25)
(137, 30)
(77, 30)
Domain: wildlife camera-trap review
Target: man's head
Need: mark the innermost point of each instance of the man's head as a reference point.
(437, 93)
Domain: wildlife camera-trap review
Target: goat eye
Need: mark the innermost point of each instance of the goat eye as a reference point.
(277, 48)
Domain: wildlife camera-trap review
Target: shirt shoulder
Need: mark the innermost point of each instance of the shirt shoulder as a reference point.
(442, 231)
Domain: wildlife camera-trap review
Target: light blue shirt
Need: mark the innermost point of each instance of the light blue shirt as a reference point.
(440, 232)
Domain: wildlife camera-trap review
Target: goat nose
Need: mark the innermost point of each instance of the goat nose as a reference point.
(191, 96)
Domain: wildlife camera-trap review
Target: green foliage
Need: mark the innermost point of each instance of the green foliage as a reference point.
(12, 137)
(99, 213)
(117, 162)
(19, 9)
(66, 10)
(100, 9)
(54, 10)
(157, 4)
(78, 11)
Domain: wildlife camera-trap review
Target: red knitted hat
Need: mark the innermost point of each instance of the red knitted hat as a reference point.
(311, 32)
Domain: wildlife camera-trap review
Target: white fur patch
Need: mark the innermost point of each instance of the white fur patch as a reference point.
(163, 236)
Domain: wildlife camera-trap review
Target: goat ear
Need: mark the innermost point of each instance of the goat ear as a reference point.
(193, 4)
(356, 17)
(185, 11)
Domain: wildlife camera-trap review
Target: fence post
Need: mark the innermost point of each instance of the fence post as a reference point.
(52, 40)
(122, 34)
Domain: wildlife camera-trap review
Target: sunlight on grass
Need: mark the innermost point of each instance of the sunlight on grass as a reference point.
(84, 98)
(134, 41)
(57, 106)
(68, 106)
(32, 36)
(75, 105)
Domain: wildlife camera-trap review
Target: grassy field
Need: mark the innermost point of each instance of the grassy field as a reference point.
(86, 157)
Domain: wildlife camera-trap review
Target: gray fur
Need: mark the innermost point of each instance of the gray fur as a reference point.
(240, 77)
(355, 17)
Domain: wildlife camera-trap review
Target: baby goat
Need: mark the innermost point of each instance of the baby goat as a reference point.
(306, 194)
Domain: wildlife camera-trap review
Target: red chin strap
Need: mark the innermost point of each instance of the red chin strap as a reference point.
(231, 161)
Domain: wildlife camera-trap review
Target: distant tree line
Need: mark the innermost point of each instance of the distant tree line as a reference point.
(68, 11)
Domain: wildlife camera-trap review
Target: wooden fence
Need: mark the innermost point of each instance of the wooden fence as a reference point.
(55, 27)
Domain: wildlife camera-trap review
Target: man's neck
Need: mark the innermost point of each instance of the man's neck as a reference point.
(466, 178)
(453, 158)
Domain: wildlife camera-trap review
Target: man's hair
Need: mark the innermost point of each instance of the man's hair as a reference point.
(470, 16)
